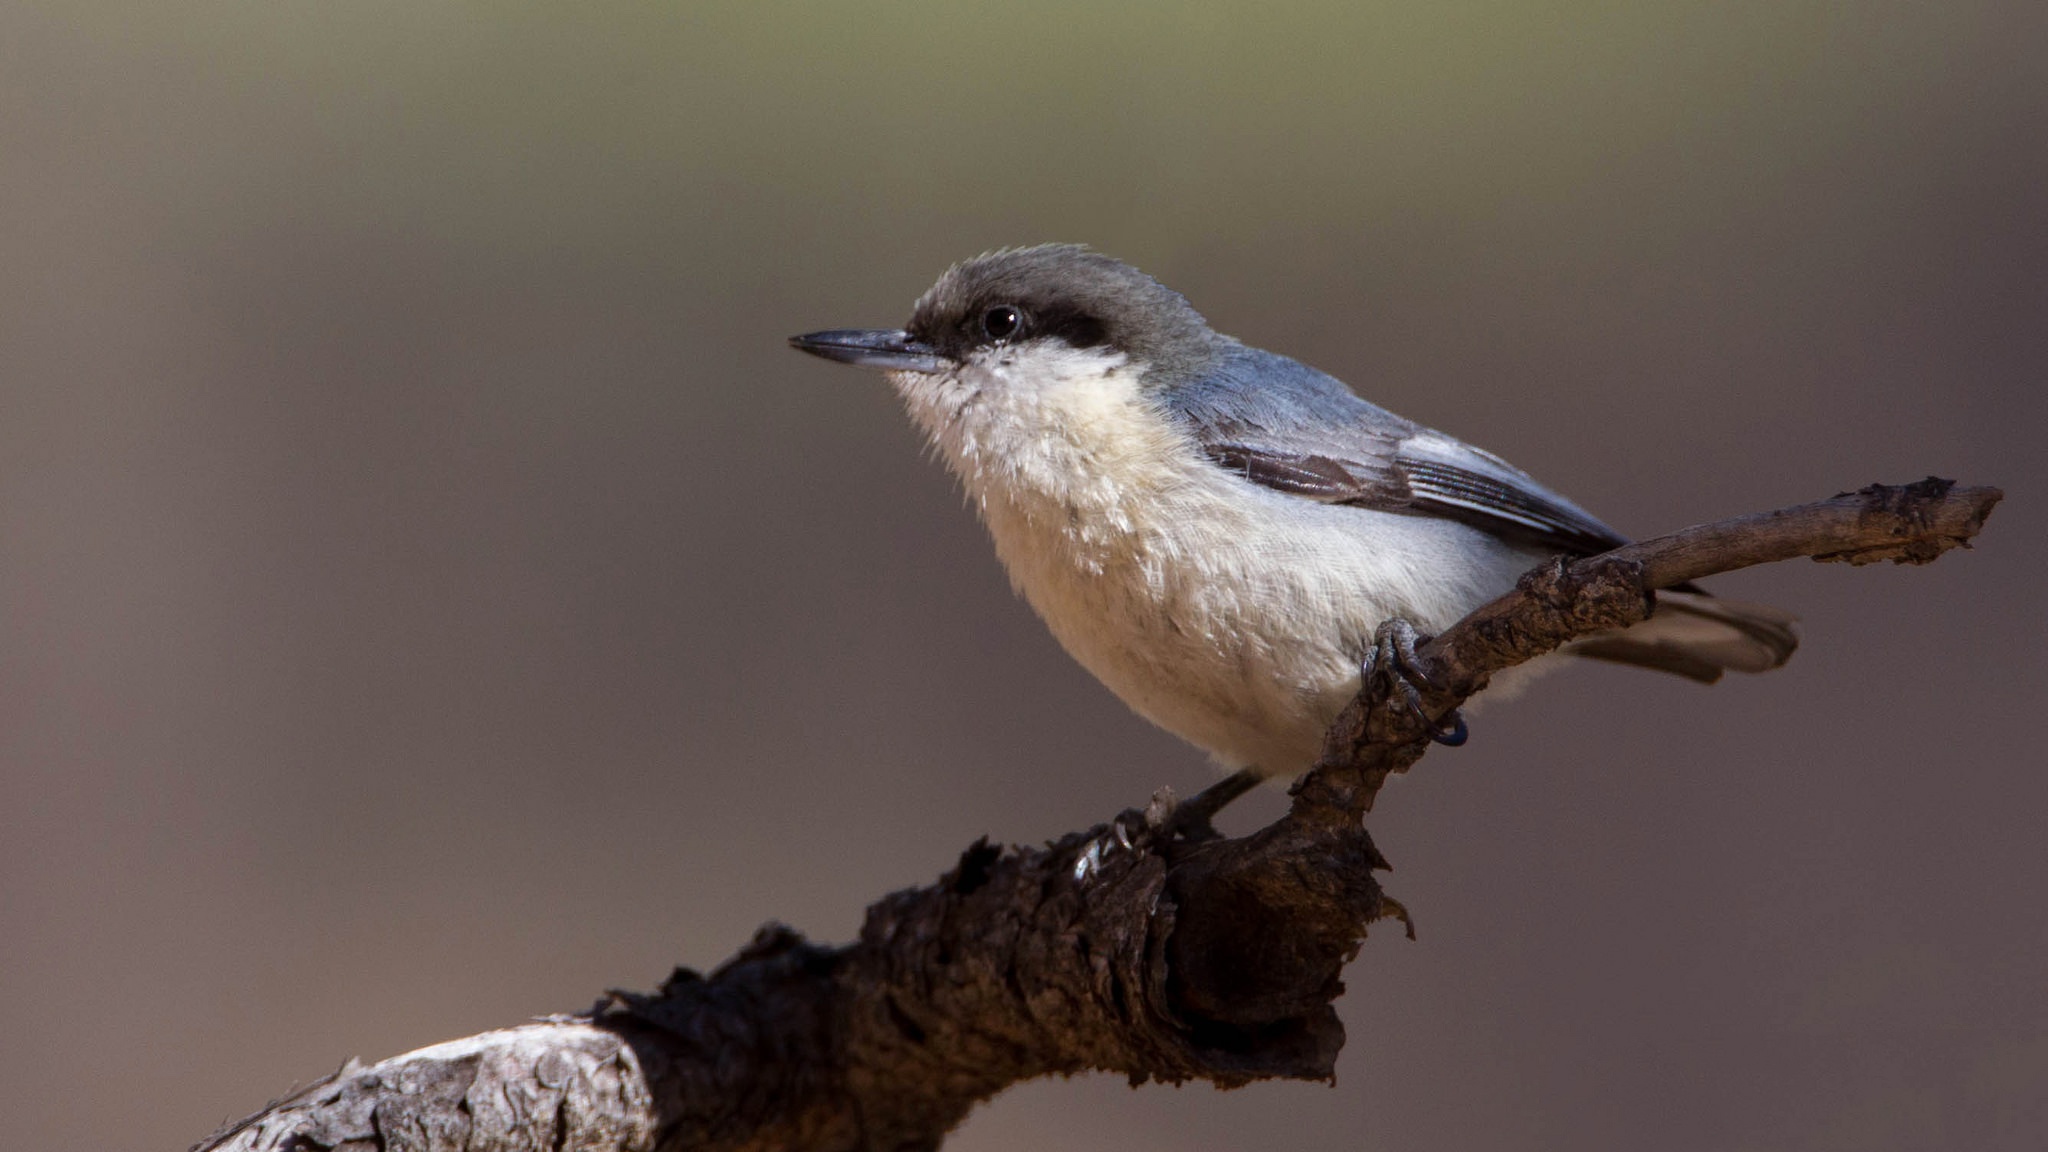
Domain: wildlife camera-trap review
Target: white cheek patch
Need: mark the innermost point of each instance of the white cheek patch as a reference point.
(1047, 367)
(1039, 414)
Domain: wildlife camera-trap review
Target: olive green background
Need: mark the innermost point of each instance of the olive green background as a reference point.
(431, 593)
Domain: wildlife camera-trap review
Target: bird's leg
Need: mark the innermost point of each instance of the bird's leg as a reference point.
(1194, 819)
(1393, 647)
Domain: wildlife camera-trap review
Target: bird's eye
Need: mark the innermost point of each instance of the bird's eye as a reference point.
(1002, 321)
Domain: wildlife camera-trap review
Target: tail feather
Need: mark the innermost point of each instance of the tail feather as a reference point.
(1699, 637)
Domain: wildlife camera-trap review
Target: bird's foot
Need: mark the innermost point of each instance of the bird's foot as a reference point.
(1393, 648)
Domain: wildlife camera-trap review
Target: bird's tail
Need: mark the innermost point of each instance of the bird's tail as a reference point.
(1699, 637)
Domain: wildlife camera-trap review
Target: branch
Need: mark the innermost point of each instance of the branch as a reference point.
(1563, 601)
(1121, 948)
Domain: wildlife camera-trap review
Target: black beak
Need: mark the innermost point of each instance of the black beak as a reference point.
(873, 348)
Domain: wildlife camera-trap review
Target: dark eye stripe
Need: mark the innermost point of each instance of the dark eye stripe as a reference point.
(993, 323)
(1072, 325)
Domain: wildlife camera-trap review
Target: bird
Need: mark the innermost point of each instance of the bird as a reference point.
(1219, 533)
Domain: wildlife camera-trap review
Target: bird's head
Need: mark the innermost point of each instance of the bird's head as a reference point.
(1020, 308)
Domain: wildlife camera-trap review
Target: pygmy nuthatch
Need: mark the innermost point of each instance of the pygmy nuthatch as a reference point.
(1218, 532)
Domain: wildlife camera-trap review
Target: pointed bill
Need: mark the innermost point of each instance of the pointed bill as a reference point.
(888, 350)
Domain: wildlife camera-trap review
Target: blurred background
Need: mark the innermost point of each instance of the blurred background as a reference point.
(431, 593)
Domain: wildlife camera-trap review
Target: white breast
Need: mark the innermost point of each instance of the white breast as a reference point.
(1229, 614)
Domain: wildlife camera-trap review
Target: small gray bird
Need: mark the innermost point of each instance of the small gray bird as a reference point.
(1218, 532)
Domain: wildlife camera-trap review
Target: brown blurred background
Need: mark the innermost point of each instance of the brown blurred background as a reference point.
(430, 592)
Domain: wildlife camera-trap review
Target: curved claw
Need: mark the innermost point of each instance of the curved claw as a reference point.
(1395, 642)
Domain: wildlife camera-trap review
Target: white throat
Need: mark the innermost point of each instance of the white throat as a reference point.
(1059, 436)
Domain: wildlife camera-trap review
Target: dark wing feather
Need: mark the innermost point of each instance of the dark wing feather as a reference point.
(1316, 477)
(1284, 425)
(1454, 479)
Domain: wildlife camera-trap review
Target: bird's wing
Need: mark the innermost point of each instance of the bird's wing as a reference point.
(1283, 425)
(1454, 479)
(1287, 427)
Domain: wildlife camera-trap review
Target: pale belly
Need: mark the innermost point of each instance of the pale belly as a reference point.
(1237, 618)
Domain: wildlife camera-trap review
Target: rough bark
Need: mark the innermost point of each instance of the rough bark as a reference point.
(1123, 948)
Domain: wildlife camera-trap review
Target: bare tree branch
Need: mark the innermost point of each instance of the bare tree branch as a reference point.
(1121, 948)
